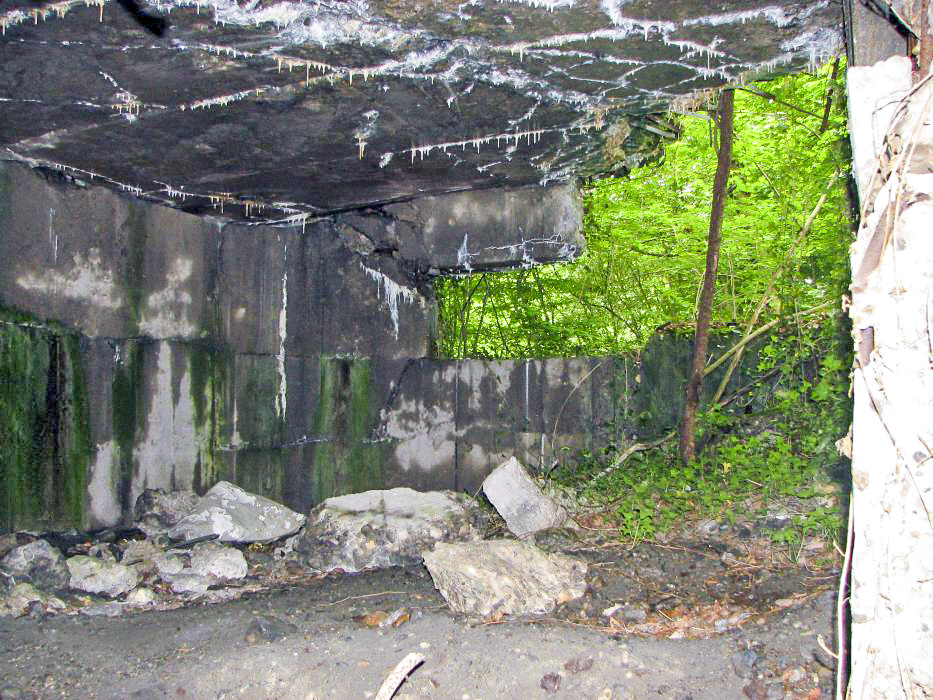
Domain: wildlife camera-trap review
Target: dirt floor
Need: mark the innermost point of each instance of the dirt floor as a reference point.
(717, 616)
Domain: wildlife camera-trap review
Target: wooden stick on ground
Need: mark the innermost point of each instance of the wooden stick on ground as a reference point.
(399, 673)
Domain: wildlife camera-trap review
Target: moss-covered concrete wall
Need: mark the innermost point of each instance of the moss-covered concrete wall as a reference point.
(143, 347)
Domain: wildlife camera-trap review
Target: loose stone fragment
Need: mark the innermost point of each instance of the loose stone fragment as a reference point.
(38, 563)
(186, 582)
(376, 529)
(520, 501)
(504, 577)
(223, 563)
(235, 515)
(103, 577)
(157, 511)
(268, 628)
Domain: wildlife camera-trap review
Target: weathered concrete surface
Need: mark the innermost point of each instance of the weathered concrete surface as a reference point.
(289, 108)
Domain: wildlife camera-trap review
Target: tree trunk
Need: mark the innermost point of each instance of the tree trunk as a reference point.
(705, 308)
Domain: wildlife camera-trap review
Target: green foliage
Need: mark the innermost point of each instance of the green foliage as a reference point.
(646, 238)
(777, 443)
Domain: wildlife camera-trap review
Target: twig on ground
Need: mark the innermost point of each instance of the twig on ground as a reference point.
(367, 595)
(398, 675)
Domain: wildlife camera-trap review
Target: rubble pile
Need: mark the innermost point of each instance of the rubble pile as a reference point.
(183, 548)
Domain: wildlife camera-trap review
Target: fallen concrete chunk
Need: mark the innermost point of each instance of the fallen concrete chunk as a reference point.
(103, 577)
(377, 529)
(520, 501)
(504, 577)
(235, 515)
(157, 511)
(215, 560)
(38, 563)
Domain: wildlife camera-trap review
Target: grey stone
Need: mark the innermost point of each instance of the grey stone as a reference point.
(268, 628)
(167, 564)
(635, 614)
(157, 511)
(141, 554)
(743, 663)
(188, 582)
(235, 515)
(376, 529)
(520, 501)
(504, 577)
(39, 563)
(214, 560)
(102, 577)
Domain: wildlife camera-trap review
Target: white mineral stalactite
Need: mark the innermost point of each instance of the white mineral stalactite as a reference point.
(282, 403)
(392, 292)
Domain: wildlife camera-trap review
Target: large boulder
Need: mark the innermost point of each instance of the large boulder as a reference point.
(235, 515)
(38, 563)
(520, 501)
(504, 577)
(157, 511)
(377, 529)
(106, 578)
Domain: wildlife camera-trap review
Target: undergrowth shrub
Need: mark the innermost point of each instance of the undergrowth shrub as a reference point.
(776, 441)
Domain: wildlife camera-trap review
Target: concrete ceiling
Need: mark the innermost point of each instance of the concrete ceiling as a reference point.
(279, 109)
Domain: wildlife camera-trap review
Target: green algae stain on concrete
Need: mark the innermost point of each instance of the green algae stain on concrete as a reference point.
(346, 459)
(207, 367)
(44, 427)
(76, 445)
(128, 411)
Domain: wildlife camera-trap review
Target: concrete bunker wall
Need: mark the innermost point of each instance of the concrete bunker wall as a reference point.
(144, 347)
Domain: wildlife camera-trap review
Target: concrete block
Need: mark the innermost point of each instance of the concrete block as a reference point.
(520, 501)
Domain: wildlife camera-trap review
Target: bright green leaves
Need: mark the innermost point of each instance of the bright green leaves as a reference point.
(646, 238)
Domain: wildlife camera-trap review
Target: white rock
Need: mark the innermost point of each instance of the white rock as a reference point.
(223, 563)
(236, 515)
(167, 564)
(188, 582)
(140, 596)
(104, 577)
(504, 577)
(520, 501)
(37, 562)
(382, 528)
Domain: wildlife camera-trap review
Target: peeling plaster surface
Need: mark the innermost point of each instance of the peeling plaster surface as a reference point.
(284, 110)
(103, 503)
(87, 280)
(165, 458)
(167, 311)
